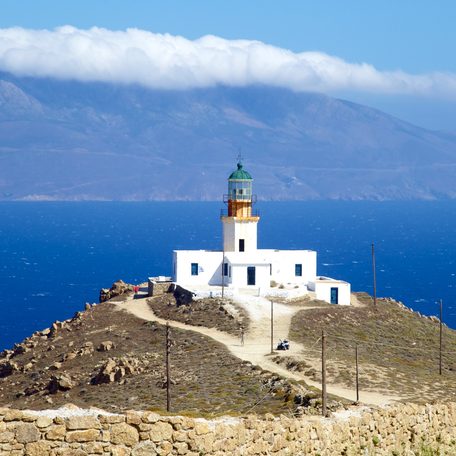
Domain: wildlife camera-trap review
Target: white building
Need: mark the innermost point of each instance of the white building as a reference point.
(241, 265)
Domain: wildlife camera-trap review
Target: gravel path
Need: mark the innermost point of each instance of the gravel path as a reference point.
(257, 340)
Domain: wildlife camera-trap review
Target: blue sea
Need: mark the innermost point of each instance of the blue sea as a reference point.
(55, 256)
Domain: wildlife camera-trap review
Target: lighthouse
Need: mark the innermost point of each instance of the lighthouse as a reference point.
(241, 267)
(240, 223)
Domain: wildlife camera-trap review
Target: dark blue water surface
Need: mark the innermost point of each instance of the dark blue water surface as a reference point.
(56, 256)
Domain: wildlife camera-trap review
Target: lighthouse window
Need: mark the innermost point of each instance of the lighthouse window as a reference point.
(195, 269)
(298, 270)
(241, 245)
(225, 269)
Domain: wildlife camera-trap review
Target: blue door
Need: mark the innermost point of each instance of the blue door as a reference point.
(251, 275)
(334, 295)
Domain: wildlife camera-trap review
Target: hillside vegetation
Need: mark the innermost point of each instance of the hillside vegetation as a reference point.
(398, 349)
(110, 359)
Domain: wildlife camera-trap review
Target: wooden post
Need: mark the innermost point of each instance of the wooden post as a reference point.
(323, 373)
(168, 397)
(441, 337)
(374, 275)
(357, 373)
(223, 275)
(272, 327)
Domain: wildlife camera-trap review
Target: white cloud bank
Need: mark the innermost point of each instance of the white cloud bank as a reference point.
(173, 62)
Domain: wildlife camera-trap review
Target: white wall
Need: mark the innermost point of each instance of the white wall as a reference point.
(322, 290)
(283, 270)
(209, 263)
(239, 275)
(233, 230)
(283, 265)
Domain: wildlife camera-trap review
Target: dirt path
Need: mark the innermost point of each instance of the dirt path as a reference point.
(257, 340)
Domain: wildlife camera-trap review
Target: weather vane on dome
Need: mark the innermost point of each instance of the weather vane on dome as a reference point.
(240, 157)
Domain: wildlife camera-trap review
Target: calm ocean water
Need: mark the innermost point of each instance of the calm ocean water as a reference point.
(56, 256)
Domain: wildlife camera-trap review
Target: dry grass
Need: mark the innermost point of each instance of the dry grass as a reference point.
(398, 349)
(223, 315)
(207, 379)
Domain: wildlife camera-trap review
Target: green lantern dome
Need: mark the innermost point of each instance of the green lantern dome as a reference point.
(240, 174)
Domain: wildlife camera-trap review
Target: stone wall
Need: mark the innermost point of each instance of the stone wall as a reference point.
(74, 432)
(157, 288)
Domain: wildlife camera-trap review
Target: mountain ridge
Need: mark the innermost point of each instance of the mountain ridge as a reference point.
(66, 140)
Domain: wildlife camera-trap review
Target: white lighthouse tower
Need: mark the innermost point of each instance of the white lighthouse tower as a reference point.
(240, 224)
(241, 267)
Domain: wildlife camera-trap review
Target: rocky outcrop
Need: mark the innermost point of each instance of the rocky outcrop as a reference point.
(7, 367)
(115, 370)
(105, 346)
(182, 296)
(402, 429)
(60, 383)
(117, 289)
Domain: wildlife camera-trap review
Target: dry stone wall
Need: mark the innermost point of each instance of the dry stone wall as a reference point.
(399, 430)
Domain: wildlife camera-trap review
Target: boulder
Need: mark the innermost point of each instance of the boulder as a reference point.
(114, 370)
(53, 330)
(7, 368)
(31, 390)
(60, 383)
(27, 367)
(69, 356)
(6, 354)
(86, 349)
(117, 289)
(106, 346)
(20, 349)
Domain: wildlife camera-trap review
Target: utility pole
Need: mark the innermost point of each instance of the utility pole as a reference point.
(357, 373)
(441, 337)
(374, 275)
(323, 373)
(272, 327)
(168, 344)
(223, 274)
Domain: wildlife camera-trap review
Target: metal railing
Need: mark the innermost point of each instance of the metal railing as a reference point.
(224, 213)
(252, 198)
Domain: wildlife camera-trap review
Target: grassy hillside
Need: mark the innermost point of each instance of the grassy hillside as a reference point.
(206, 378)
(398, 349)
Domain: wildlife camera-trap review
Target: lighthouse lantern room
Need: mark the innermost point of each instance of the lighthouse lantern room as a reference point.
(241, 267)
(240, 223)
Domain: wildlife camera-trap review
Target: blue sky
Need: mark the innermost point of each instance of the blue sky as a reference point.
(415, 37)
